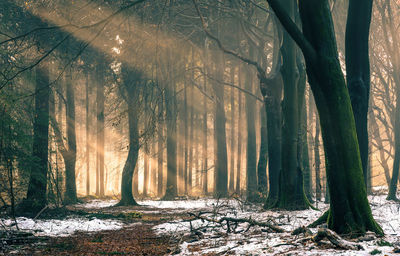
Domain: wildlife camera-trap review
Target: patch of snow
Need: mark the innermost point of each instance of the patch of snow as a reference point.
(62, 227)
(98, 203)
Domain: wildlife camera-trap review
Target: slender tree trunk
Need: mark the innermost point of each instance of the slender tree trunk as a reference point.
(251, 167)
(263, 157)
(318, 185)
(87, 137)
(185, 147)
(100, 134)
(232, 148)
(190, 144)
(205, 139)
(396, 162)
(221, 168)
(145, 172)
(70, 154)
(239, 144)
(36, 196)
(160, 148)
(131, 162)
(171, 190)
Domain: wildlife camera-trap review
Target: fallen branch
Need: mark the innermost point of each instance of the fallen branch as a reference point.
(230, 220)
(335, 239)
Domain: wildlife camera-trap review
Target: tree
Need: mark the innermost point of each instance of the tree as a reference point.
(131, 79)
(36, 195)
(349, 211)
(358, 71)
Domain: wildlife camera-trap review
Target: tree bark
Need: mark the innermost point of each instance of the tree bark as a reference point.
(36, 195)
(70, 154)
(350, 212)
(221, 168)
(358, 71)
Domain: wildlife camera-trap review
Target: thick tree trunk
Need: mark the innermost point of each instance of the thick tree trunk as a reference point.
(291, 192)
(272, 93)
(70, 155)
(358, 71)
(36, 196)
(350, 211)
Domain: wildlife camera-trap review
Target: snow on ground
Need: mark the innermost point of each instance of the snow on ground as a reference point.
(97, 203)
(211, 238)
(65, 227)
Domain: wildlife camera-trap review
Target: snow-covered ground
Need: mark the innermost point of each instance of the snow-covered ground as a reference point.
(65, 227)
(214, 239)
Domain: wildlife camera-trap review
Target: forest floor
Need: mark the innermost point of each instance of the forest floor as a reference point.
(189, 227)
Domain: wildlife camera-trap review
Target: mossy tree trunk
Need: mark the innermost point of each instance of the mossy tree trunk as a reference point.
(349, 212)
(36, 196)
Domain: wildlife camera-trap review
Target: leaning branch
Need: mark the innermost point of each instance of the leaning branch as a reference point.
(291, 27)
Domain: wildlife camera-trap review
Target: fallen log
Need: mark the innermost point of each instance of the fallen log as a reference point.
(335, 239)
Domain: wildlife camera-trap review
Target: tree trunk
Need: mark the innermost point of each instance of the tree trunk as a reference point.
(132, 159)
(291, 192)
(145, 171)
(171, 190)
(100, 134)
(396, 162)
(318, 185)
(239, 139)
(350, 212)
(87, 137)
(251, 167)
(160, 149)
(272, 102)
(263, 158)
(358, 71)
(232, 151)
(221, 168)
(36, 196)
(70, 154)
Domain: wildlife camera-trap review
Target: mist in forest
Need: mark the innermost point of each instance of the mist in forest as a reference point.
(282, 105)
